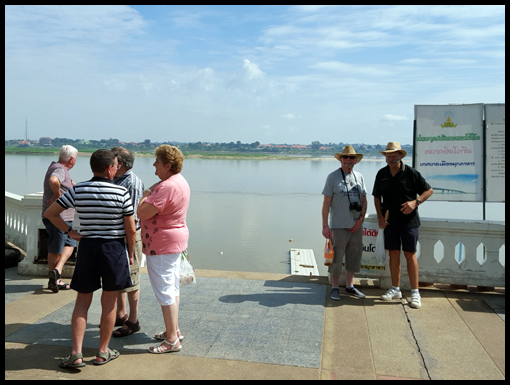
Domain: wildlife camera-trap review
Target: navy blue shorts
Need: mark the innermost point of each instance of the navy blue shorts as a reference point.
(407, 237)
(56, 237)
(101, 261)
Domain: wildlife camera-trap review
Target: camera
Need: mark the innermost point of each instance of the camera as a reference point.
(355, 206)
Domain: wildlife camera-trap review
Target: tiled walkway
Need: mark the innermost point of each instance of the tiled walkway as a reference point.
(265, 326)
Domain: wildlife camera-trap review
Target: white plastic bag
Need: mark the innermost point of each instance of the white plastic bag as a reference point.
(186, 273)
(380, 252)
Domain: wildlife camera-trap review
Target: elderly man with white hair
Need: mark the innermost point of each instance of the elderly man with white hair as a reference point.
(60, 245)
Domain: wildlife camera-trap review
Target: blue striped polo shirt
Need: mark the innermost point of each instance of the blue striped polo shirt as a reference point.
(101, 207)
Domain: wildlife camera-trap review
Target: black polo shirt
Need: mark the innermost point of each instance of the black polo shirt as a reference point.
(406, 185)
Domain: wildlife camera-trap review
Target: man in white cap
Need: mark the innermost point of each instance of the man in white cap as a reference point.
(398, 190)
(345, 202)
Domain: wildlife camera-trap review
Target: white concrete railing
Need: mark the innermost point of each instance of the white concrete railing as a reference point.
(15, 220)
(22, 224)
(458, 252)
(23, 221)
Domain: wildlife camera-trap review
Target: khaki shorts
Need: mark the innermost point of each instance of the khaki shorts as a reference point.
(350, 245)
(137, 260)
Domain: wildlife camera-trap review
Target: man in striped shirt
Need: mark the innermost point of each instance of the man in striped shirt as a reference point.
(106, 216)
(125, 177)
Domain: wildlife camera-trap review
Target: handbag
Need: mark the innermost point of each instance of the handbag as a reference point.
(329, 254)
(186, 272)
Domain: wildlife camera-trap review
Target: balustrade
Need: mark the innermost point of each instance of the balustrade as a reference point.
(458, 252)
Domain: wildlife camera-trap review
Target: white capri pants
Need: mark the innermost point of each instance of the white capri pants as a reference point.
(164, 276)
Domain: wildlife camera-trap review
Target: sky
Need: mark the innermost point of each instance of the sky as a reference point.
(273, 74)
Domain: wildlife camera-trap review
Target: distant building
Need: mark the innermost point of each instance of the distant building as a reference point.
(45, 141)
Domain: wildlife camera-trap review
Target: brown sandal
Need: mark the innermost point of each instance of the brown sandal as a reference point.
(119, 321)
(131, 328)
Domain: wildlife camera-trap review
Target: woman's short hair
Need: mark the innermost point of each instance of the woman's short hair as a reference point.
(67, 152)
(170, 154)
(101, 159)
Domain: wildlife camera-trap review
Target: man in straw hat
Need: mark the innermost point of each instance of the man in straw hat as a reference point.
(398, 190)
(345, 203)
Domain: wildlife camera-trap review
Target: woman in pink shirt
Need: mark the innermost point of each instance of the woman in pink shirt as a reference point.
(162, 212)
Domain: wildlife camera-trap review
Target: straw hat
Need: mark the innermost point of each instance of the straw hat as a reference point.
(349, 151)
(393, 147)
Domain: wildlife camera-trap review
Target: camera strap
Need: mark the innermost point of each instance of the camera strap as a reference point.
(347, 186)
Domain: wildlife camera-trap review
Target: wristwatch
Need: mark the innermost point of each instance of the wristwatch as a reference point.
(418, 202)
(69, 230)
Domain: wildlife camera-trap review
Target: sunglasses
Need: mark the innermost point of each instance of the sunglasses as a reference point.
(348, 157)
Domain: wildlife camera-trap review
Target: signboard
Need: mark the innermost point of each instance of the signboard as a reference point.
(369, 263)
(495, 152)
(449, 150)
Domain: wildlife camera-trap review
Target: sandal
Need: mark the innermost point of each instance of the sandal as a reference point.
(131, 328)
(63, 286)
(68, 362)
(159, 348)
(161, 336)
(110, 355)
(119, 321)
(53, 275)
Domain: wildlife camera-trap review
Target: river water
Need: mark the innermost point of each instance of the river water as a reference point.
(245, 215)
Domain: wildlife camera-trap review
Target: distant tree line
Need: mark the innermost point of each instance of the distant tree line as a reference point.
(315, 147)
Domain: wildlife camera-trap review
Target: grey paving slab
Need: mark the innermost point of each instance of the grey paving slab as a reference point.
(17, 286)
(497, 303)
(237, 319)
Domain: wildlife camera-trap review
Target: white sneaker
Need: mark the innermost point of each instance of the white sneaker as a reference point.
(415, 301)
(391, 294)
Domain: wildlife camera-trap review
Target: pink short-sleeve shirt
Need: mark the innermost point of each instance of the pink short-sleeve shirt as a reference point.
(166, 232)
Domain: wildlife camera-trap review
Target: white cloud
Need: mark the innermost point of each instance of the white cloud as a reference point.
(252, 69)
(201, 69)
(351, 68)
(115, 84)
(43, 24)
(391, 117)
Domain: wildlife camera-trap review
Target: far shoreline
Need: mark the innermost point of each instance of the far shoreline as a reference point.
(227, 156)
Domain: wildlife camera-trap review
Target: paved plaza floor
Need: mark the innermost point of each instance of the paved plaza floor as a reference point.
(240, 325)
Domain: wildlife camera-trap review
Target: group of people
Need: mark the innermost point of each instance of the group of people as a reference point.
(398, 191)
(119, 220)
